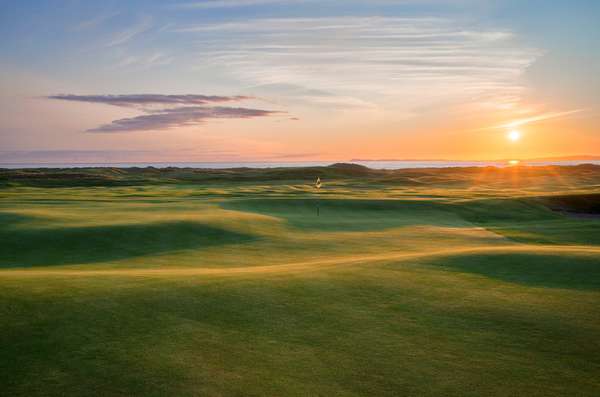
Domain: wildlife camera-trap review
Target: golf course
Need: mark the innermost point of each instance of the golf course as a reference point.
(478, 281)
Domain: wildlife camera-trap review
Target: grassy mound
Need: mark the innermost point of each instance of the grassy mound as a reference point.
(23, 246)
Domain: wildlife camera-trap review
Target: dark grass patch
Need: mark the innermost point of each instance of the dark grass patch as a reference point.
(566, 230)
(8, 219)
(527, 220)
(576, 203)
(543, 270)
(48, 246)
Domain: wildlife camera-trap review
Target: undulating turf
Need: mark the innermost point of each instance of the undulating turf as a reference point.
(460, 282)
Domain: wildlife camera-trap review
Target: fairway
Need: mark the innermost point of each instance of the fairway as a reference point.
(245, 282)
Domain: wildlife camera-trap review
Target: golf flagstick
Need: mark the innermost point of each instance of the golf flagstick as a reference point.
(318, 186)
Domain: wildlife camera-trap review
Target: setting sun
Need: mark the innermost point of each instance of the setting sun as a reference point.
(514, 135)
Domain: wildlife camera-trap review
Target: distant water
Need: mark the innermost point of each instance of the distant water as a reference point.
(390, 165)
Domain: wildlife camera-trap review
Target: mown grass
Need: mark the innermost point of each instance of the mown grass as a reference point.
(104, 243)
(435, 286)
(580, 272)
(351, 214)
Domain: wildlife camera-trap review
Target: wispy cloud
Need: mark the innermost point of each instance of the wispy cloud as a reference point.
(534, 119)
(144, 61)
(207, 4)
(298, 95)
(122, 37)
(167, 111)
(137, 100)
(95, 21)
(180, 117)
(417, 60)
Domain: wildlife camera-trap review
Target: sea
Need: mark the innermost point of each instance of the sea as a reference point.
(389, 165)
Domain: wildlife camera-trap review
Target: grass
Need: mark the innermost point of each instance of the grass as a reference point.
(415, 282)
(558, 270)
(103, 243)
(350, 214)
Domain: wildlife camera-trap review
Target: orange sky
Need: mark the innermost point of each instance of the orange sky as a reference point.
(284, 80)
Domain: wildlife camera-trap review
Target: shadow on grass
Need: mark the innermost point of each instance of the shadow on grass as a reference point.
(553, 271)
(11, 219)
(23, 246)
(528, 221)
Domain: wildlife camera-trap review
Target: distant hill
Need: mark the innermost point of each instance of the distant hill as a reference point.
(134, 176)
(349, 166)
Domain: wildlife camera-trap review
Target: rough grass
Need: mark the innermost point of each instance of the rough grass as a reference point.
(424, 283)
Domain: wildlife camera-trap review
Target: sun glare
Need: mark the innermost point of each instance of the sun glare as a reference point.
(513, 135)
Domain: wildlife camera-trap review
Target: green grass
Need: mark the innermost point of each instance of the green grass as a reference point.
(580, 272)
(350, 215)
(226, 283)
(21, 246)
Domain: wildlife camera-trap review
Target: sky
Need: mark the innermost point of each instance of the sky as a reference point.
(293, 80)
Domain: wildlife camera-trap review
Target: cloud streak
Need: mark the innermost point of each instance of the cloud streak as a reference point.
(95, 21)
(180, 117)
(541, 117)
(122, 37)
(141, 100)
(208, 4)
(533, 119)
(163, 112)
